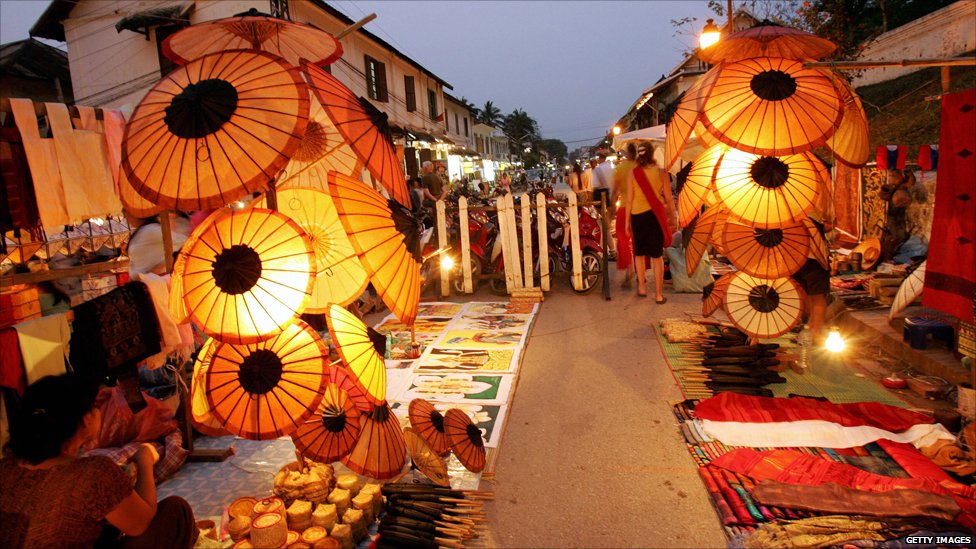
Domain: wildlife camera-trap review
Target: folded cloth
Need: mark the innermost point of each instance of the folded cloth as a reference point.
(819, 433)
(43, 345)
(835, 499)
(171, 455)
(949, 456)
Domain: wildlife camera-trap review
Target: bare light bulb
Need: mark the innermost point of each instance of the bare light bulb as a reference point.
(835, 343)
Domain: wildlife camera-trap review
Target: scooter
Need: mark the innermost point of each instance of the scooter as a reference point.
(591, 246)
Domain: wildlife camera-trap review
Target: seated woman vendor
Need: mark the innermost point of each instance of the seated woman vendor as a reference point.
(51, 496)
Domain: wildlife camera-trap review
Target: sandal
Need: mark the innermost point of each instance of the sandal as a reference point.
(661, 301)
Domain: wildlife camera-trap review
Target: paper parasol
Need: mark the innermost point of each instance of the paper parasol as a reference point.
(266, 390)
(425, 458)
(818, 244)
(701, 235)
(380, 452)
(331, 432)
(351, 339)
(697, 189)
(767, 40)
(177, 304)
(216, 130)
(713, 295)
(364, 127)
(248, 275)
(386, 237)
(133, 203)
(466, 440)
(429, 423)
(257, 31)
(322, 150)
(339, 276)
(909, 290)
(768, 191)
(850, 142)
(203, 419)
(772, 106)
(763, 308)
(686, 118)
(766, 253)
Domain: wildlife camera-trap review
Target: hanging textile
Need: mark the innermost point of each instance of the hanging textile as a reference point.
(43, 345)
(928, 157)
(847, 198)
(18, 205)
(11, 364)
(950, 277)
(114, 127)
(43, 161)
(87, 181)
(892, 157)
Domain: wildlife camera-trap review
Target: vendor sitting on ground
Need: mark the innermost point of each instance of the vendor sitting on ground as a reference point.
(52, 496)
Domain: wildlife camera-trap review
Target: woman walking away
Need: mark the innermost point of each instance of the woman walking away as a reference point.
(650, 215)
(621, 180)
(51, 496)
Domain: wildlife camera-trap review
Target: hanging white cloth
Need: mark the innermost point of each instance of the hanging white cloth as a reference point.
(43, 161)
(114, 124)
(85, 174)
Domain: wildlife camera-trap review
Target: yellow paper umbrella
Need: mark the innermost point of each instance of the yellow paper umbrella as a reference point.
(713, 295)
(766, 253)
(772, 106)
(686, 118)
(763, 308)
(697, 189)
(248, 275)
(425, 458)
(701, 235)
(351, 339)
(767, 40)
(203, 418)
(216, 130)
(768, 191)
(339, 276)
(386, 237)
(322, 150)
(850, 143)
(268, 389)
(331, 432)
(253, 30)
(818, 244)
(380, 452)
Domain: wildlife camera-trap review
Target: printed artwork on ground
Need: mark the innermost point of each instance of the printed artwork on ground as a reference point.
(439, 309)
(401, 347)
(438, 359)
(470, 321)
(421, 325)
(458, 388)
(501, 308)
(480, 339)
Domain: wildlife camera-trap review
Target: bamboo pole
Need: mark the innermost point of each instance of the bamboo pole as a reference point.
(880, 64)
(513, 241)
(574, 242)
(442, 244)
(527, 241)
(540, 206)
(465, 244)
(355, 26)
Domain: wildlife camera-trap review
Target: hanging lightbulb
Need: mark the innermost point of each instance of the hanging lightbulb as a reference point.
(710, 35)
(835, 343)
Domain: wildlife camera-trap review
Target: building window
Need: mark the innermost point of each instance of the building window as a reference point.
(465, 126)
(375, 79)
(457, 127)
(166, 66)
(411, 93)
(432, 103)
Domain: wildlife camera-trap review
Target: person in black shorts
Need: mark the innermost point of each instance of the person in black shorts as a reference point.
(815, 281)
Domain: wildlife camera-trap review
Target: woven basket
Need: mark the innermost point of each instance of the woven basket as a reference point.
(313, 482)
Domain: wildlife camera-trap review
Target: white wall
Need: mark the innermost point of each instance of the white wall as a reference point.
(948, 32)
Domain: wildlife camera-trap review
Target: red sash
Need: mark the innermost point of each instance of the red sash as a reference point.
(656, 206)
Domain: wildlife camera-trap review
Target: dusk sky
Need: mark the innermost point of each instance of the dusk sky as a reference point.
(575, 67)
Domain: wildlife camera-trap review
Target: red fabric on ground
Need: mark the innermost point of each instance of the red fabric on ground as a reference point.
(754, 409)
(950, 277)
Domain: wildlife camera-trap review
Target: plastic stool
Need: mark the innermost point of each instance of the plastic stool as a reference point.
(917, 330)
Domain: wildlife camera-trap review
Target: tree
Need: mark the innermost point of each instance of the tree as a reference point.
(490, 114)
(470, 106)
(555, 148)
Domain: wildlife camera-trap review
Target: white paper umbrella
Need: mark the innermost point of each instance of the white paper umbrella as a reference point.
(909, 291)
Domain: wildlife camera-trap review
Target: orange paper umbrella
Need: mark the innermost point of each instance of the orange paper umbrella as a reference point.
(701, 235)
(133, 202)
(697, 189)
(257, 31)
(322, 150)
(380, 452)
(339, 276)
(713, 295)
(203, 418)
(266, 390)
(686, 118)
(386, 237)
(216, 130)
(763, 308)
(466, 440)
(766, 253)
(772, 106)
(351, 339)
(768, 191)
(850, 143)
(331, 432)
(718, 227)
(177, 304)
(767, 40)
(364, 127)
(425, 459)
(248, 275)
(818, 244)
(429, 423)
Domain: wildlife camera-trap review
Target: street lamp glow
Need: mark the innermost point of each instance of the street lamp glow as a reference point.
(447, 262)
(835, 343)
(710, 35)
(616, 130)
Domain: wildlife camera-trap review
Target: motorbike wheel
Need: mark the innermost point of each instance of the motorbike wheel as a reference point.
(590, 262)
(457, 276)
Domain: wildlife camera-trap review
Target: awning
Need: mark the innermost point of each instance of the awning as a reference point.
(442, 138)
(459, 151)
(141, 21)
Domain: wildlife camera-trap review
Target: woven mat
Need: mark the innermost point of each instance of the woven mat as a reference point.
(831, 379)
